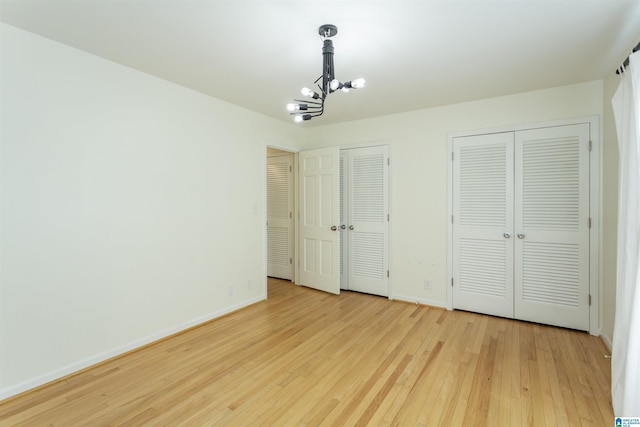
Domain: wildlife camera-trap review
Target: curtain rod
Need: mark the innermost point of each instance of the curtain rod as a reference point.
(625, 64)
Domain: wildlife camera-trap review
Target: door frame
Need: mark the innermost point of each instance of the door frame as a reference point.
(292, 199)
(595, 205)
(294, 251)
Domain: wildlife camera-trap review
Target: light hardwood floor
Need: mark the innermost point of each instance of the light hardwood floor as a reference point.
(308, 358)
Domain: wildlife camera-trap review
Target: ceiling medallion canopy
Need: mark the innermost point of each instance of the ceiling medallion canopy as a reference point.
(303, 110)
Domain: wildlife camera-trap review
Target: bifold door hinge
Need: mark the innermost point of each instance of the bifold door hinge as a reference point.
(387, 217)
(590, 145)
(388, 161)
(452, 282)
(387, 273)
(451, 219)
(452, 156)
(290, 169)
(589, 299)
(589, 222)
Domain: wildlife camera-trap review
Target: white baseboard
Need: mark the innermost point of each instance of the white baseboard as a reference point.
(85, 363)
(415, 300)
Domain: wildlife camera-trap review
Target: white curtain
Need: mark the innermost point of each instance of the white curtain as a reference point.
(625, 363)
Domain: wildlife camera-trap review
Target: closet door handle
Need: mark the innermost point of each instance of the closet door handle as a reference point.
(520, 235)
(334, 228)
(351, 227)
(507, 235)
(342, 227)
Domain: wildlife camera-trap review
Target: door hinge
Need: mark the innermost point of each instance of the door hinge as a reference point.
(589, 299)
(290, 260)
(452, 282)
(290, 214)
(387, 217)
(451, 219)
(452, 156)
(387, 273)
(590, 145)
(388, 161)
(589, 222)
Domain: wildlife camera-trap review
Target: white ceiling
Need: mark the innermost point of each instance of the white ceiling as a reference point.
(413, 54)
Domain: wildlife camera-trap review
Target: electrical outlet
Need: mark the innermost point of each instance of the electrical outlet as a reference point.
(427, 284)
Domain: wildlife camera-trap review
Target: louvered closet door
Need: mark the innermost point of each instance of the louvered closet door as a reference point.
(366, 177)
(552, 226)
(483, 224)
(344, 215)
(279, 217)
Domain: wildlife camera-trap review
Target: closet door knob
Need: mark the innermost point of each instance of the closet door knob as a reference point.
(351, 227)
(520, 235)
(507, 235)
(334, 228)
(342, 227)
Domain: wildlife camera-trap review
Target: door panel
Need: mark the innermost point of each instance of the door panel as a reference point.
(319, 212)
(279, 217)
(344, 216)
(552, 226)
(483, 224)
(365, 181)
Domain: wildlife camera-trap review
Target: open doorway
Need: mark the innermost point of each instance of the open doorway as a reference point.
(280, 214)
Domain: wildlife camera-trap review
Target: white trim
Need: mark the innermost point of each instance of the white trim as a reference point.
(607, 341)
(414, 300)
(595, 212)
(595, 205)
(133, 345)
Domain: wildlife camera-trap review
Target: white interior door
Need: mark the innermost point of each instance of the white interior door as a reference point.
(483, 223)
(280, 216)
(344, 215)
(552, 226)
(366, 217)
(319, 219)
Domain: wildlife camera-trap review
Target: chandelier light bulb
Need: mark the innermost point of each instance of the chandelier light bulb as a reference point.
(308, 92)
(297, 119)
(335, 84)
(358, 83)
(291, 107)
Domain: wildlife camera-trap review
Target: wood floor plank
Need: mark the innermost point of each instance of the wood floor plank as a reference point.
(305, 358)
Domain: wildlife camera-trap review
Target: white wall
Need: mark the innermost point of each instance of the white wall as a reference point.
(419, 170)
(130, 205)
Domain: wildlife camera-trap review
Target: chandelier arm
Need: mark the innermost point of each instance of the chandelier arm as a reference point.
(324, 94)
(305, 101)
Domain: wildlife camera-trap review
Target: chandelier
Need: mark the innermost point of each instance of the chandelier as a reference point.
(307, 109)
